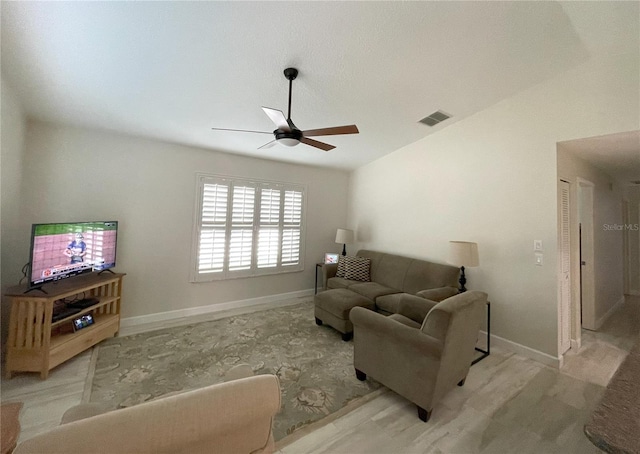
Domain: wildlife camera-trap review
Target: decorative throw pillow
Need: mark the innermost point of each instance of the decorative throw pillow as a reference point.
(354, 268)
(341, 266)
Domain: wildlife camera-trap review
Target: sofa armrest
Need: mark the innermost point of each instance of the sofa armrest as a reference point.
(395, 332)
(438, 294)
(329, 270)
(415, 308)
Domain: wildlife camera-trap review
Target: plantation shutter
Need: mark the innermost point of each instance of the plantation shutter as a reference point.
(292, 224)
(211, 251)
(269, 231)
(247, 228)
(241, 235)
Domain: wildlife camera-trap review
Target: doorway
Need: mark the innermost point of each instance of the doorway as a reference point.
(586, 279)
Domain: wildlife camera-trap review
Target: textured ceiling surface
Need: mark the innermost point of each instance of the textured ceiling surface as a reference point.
(173, 70)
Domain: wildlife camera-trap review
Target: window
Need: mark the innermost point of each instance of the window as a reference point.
(247, 228)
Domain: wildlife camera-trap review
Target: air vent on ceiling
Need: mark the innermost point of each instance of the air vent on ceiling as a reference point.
(435, 118)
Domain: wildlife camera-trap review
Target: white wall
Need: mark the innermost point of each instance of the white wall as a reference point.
(73, 174)
(608, 257)
(12, 231)
(491, 178)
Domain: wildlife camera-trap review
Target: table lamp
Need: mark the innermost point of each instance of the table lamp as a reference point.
(463, 253)
(344, 236)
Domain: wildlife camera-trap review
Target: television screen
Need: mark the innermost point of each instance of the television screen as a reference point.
(67, 249)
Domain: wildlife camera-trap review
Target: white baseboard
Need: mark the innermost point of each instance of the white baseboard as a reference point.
(614, 308)
(283, 299)
(576, 344)
(523, 350)
(131, 325)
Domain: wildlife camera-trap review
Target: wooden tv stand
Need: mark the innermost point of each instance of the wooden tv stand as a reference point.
(37, 344)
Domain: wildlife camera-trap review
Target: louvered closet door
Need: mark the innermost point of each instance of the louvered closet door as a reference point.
(565, 270)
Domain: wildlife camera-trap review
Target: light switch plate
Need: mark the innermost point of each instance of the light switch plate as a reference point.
(539, 259)
(537, 245)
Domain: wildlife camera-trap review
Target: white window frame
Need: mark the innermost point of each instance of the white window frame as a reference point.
(253, 270)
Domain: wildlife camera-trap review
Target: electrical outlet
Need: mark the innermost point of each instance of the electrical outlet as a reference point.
(539, 259)
(537, 245)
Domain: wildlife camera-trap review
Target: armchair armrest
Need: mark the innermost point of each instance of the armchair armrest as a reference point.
(395, 332)
(415, 308)
(438, 294)
(329, 270)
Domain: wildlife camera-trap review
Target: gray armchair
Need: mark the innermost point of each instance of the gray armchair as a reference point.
(423, 351)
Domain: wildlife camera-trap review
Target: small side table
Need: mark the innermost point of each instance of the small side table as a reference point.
(486, 352)
(318, 267)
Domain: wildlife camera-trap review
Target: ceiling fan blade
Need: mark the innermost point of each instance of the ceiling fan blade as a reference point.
(350, 129)
(268, 144)
(242, 130)
(278, 118)
(317, 144)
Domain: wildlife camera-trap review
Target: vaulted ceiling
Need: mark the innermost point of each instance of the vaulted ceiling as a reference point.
(173, 70)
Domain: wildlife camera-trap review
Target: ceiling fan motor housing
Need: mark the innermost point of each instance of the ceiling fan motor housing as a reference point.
(294, 134)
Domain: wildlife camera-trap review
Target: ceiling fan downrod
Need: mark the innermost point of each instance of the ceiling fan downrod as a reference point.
(290, 74)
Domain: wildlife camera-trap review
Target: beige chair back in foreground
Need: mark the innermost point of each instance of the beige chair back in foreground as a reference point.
(232, 417)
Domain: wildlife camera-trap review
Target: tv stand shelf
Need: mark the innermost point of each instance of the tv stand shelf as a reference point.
(36, 344)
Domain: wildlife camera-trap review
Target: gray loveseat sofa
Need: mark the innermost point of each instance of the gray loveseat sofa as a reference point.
(392, 278)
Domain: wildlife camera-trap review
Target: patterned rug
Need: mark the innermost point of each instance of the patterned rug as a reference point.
(314, 365)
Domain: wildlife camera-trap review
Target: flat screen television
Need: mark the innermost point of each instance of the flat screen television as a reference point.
(68, 249)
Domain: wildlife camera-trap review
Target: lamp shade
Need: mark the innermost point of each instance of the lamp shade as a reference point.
(344, 236)
(463, 253)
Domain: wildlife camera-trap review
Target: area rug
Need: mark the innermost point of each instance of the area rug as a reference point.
(314, 365)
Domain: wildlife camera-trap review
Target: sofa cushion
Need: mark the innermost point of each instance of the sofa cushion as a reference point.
(407, 274)
(354, 268)
(391, 271)
(340, 301)
(427, 275)
(391, 303)
(372, 290)
(339, 282)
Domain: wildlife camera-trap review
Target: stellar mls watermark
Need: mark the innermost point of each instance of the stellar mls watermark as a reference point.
(618, 227)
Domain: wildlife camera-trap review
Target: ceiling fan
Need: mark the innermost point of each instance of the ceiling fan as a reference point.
(288, 133)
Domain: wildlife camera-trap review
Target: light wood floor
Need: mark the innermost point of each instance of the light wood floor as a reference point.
(508, 404)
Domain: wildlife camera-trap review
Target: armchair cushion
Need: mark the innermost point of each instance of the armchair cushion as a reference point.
(438, 294)
(404, 320)
(395, 332)
(414, 307)
(390, 304)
